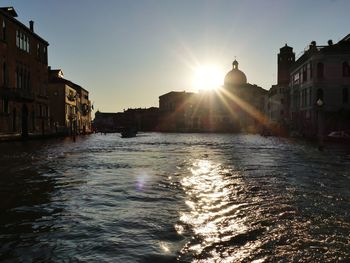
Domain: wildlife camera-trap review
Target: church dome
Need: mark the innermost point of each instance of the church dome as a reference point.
(235, 76)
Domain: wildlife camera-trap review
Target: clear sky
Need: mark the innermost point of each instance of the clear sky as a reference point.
(128, 53)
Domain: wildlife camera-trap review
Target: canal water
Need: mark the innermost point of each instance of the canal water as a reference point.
(174, 198)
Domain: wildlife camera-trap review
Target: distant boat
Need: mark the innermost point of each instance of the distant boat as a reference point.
(339, 136)
(128, 132)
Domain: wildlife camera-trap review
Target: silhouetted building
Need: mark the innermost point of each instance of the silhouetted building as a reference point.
(320, 85)
(70, 105)
(172, 108)
(24, 106)
(245, 102)
(278, 95)
(138, 119)
(237, 106)
(106, 121)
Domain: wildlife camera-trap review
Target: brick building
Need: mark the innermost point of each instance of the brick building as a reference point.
(24, 105)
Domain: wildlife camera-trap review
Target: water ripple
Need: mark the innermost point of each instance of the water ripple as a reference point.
(174, 198)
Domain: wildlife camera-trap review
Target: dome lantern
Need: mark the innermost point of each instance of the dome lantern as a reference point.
(235, 64)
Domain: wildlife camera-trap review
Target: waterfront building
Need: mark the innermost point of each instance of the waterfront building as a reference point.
(320, 87)
(172, 110)
(24, 104)
(139, 119)
(106, 121)
(84, 109)
(245, 102)
(70, 105)
(278, 95)
(237, 106)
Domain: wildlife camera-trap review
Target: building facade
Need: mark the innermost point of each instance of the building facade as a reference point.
(84, 108)
(172, 110)
(24, 103)
(70, 105)
(320, 87)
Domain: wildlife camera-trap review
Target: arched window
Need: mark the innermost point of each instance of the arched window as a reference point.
(346, 69)
(345, 95)
(320, 69)
(320, 94)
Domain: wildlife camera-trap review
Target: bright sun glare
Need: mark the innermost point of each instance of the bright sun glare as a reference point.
(207, 77)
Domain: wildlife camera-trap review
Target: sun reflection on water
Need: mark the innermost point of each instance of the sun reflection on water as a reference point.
(213, 216)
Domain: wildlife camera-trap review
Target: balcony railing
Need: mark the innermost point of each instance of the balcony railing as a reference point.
(17, 94)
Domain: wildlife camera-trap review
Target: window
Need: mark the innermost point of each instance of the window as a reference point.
(38, 50)
(310, 95)
(24, 78)
(22, 41)
(282, 101)
(20, 79)
(310, 64)
(17, 38)
(296, 78)
(5, 106)
(346, 69)
(320, 69)
(4, 29)
(29, 86)
(320, 94)
(304, 74)
(28, 45)
(16, 78)
(4, 74)
(345, 95)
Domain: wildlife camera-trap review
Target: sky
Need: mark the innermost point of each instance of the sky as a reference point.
(128, 53)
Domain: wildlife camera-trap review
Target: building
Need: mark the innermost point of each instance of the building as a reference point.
(84, 109)
(70, 105)
(106, 121)
(319, 88)
(24, 103)
(278, 95)
(172, 110)
(139, 119)
(244, 101)
(237, 106)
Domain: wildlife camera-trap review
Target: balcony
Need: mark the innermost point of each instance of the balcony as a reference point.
(19, 95)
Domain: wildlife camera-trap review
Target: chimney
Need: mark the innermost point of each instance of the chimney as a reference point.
(31, 25)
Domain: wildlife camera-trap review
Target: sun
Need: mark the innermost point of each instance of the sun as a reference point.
(207, 77)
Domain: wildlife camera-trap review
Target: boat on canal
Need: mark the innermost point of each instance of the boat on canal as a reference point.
(128, 132)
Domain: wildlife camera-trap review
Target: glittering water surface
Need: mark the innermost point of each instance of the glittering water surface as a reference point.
(174, 197)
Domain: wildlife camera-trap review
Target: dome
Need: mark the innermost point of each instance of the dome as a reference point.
(235, 76)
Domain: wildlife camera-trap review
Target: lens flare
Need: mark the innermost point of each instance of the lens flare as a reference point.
(207, 77)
